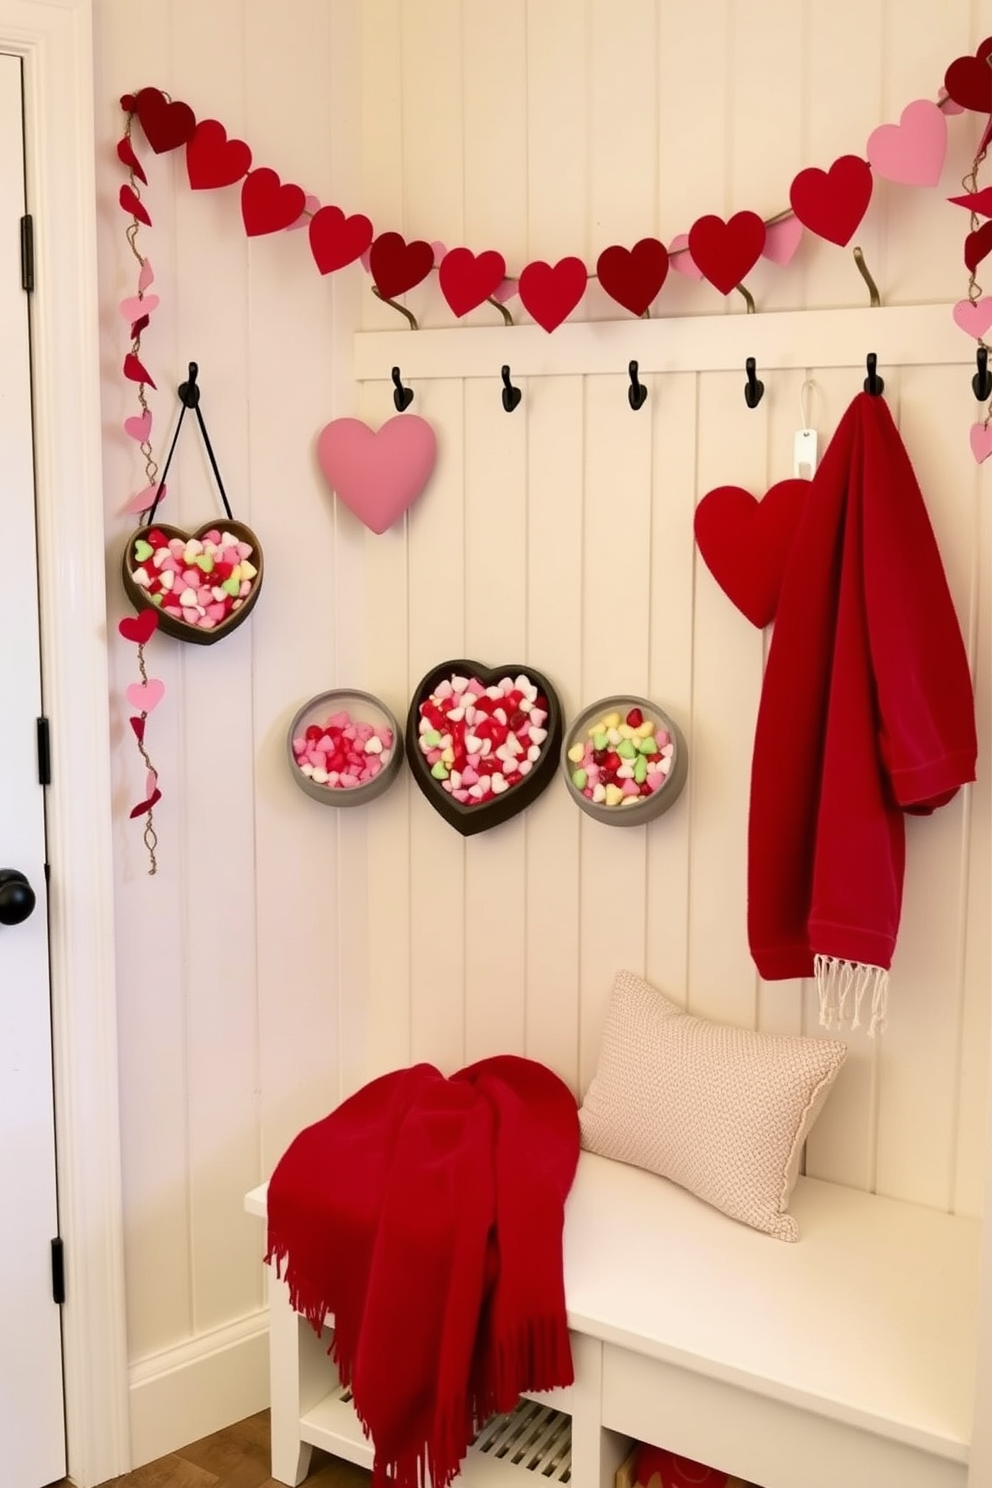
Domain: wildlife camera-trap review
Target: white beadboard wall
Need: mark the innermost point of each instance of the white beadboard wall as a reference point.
(285, 952)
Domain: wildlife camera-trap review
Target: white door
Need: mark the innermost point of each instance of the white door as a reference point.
(32, 1433)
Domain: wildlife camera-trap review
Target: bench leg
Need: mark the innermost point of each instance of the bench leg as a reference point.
(293, 1385)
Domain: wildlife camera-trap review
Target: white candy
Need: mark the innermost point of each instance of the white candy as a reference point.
(473, 745)
(442, 691)
(665, 766)
(476, 792)
(668, 751)
(456, 714)
(333, 776)
(513, 746)
(424, 726)
(385, 757)
(471, 714)
(318, 776)
(499, 714)
(159, 556)
(486, 749)
(538, 717)
(307, 769)
(142, 578)
(188, 599)
(533, 754)
(499, 784)
(219, 595)
(486, 783)
(599, 793)
(538, 735)
(614, 737)
(522, 684)
(459, 684)
(526, 705)
(509, 767)
(454, 781)
(468, 699)
(373, 745)
(167, 580)
(495, 693)
(193, 549)
(525, 767)
(625, 772)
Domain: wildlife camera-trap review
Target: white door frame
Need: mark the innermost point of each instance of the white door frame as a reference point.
(55, 40)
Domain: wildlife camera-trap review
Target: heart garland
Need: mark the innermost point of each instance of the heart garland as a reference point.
(144, 697)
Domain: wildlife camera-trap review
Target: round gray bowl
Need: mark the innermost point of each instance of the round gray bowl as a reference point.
(363, 707)
(648, 807)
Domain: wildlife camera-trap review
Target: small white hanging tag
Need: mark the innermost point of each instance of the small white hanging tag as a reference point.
(805, 454)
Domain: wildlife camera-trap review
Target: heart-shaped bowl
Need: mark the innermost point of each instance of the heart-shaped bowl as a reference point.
(473, 731)
(613, 734)
(318, 739)
(136, 566)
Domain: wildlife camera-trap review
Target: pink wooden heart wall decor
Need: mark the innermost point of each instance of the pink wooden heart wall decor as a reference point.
(377, 473)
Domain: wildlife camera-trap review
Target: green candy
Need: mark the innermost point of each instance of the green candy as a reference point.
(626, 749)
(440, 770)
(600, 741)
(156, 599)
(143, 550)
(205, 562)
(431, 739)
(231, 587)
(648, 746)
(640, 769)
(579, 779)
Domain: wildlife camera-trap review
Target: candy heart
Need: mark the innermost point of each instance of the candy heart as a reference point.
(781, 241)
(139, 628)
(337, 240)
(968, 80)
(132, 204)
(981, 441)
(135, 306)
(183, 623)
(468, 279)
(832, 203)
(213, 160)
(978, 245)
(142, 550)
(550, 292)
(973, 316)
(397, 265)
(681, 259)
(633, 276)
(377, 473)
(145, 697)
(139, 426)
(745, 543)
(727, 251)
(913, 150)
(267, 205)
(166, 125)
(494, 797)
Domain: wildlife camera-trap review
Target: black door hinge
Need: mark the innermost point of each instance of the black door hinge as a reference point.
(44, 753)
(58, 1271)
(27, 253)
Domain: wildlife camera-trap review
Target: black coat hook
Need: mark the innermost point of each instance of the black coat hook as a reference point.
(637, 393)
(511, 395)
(873, 383)
(189, 392)
(754, 390)
(982, 381)
(403, 396)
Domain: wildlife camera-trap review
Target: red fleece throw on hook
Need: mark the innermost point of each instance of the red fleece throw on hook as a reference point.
(867, 712)
(426, 1215)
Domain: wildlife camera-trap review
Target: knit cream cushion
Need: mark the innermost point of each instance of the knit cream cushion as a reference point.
(720, 1110)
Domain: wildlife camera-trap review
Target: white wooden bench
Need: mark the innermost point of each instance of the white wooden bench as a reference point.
(844, 1361)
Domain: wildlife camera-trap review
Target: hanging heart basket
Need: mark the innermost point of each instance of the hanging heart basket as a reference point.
(202, 584)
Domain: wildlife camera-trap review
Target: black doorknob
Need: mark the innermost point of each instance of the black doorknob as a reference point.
(16, 897)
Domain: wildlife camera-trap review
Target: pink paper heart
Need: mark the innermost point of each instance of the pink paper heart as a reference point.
(135, 306)
(146, 276)
(947, 105)
(912, 151)
(973, 316)
(144, 499)
(144, 697)
(439, 251)
(781, 240)
(366, 261)
(377, 473)
(681, 259)
(981, 441)
(139, 427)
(505, 291)
(310, 209)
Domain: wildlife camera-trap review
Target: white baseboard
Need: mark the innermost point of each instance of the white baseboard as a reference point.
(199, 1387)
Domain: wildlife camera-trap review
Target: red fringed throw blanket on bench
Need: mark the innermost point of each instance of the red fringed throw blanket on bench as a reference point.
(426, 1215)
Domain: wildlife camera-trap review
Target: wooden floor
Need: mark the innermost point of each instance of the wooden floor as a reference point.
(237, 1457)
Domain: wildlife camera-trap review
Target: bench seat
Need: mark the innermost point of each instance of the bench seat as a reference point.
(848, 1357)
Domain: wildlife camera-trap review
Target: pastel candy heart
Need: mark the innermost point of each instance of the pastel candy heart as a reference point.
(981, 441)
(135, 306)
(781, 240)
(912, 151)
(139, 426)
(143, 550)
(377, 473)
(145, 696)
(232, 586)
(974, 317)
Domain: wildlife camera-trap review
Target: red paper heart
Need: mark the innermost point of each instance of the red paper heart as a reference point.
(137, 723)
(726, 251)
(268, 206)
(968, 80)
(467, 279)
(126, 155)
(745, 543)
(135, 371)
(166, 125)
(832, 203)
(397, 265)
(133, 205)
(975, 201)
(213, 160)
(144, 806)
(978, 245)
(633, 276)
(336, 240)
(139, 628)
(550, 292)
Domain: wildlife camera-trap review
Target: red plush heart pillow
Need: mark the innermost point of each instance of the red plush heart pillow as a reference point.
(745, 543)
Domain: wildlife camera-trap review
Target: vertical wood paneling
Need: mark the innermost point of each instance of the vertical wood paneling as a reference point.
(557, 121)
(495, 133)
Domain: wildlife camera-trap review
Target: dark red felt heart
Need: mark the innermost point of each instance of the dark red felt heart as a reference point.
(726, 251)
(633, 276)
(397, 265)
(135, 370)
(137, 723)
(467, 279)
(978, 245)
(139, 628)
(213, 160)
(132, 204)
(975, 201)
(550, 292)
(267, 205)
(144, 806)
(745, 543)
(832, 203)
(166, 125)
(337, 240)
(126, 155)
(968, 80)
